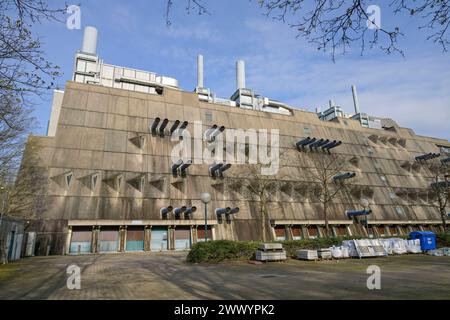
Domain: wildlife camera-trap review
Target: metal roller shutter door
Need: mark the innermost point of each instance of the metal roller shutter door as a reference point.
(81, 241)
(201, 234)
(135, 239)
(159, 239)
(109, 240)
(182, 239)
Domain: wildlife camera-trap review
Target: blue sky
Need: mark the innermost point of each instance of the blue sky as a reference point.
(414, 91)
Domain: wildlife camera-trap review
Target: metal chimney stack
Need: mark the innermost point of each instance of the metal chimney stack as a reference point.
(240, 74)
(200, 83)
(90, 41)
(355, 100)
(331, 103)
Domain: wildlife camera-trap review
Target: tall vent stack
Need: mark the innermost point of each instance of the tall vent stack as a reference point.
(90, 41)
(200, 83)
(355, 100)
(240, 74)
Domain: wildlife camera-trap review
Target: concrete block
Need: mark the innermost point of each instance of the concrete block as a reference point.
(270, 255)
(271, 246)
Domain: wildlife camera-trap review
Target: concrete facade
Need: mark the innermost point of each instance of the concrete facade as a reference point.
(103, 145)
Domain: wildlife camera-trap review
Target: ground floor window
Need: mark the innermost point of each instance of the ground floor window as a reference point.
(381, 231)
(341, 231)
(313, 232)
(280, 233)
(393, 230)
(296, 232)
(201, 234)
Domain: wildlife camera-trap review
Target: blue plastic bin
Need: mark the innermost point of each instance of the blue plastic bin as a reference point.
(427, 239)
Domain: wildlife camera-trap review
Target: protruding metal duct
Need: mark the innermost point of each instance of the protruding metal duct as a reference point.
(190, 210)
(209, 132)
(356, 213)
(330, 144)
(179, 211)
(200, 83)
(165, 211)
(305, 142)
(234, 210)
(323, 143)
(337, 144)
(174, 126)
(317, 143)
(216, 132)
(182, 169)
(356, 100)
(90, 39)
(154, 126)
(428, 156)
(222, 169)
(222, 211)
(240, 74)
(445, 161)
(184, 125)
(213, 168)
(163, 127)
(175, 166)
(344, 176)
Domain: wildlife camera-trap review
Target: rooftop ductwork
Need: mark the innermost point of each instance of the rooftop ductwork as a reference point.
(175, 166)
(355, 100)
(154, 126)
(162, 128)
(357, 213)
(344, 176)
(174, 126)
(165, 211)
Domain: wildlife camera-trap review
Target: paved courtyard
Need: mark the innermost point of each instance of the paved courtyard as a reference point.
(167, 276)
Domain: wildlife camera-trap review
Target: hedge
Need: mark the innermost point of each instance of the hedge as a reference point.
(226, 250)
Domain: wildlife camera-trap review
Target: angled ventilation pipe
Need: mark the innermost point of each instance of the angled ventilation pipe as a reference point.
(179, 211)
(317, 143)
(154, 126)
(213, 168)
(344, 176)
(162, 128)
(182, 169)
(215, 133)
(234, 210)
(219, 172)
(329, 144)
(209, 132)
(184, 125)
(222, 211)
(174, 126)
(189, 211)
(357, 213)
(445, 161)
(428, 156)
(175, 166)
(165, 211)
(303, 143)
(337, 144)
(323, 143)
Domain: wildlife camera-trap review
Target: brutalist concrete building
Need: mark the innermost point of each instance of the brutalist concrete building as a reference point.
(113, 185)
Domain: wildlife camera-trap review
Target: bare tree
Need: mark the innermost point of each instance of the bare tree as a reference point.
(440, 188)
(334, 25)
(323, 185)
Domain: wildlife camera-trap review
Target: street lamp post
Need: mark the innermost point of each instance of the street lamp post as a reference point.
(206, 198)
(4, 199)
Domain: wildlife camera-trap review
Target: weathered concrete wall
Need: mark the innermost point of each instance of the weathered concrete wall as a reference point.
(95, 132)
